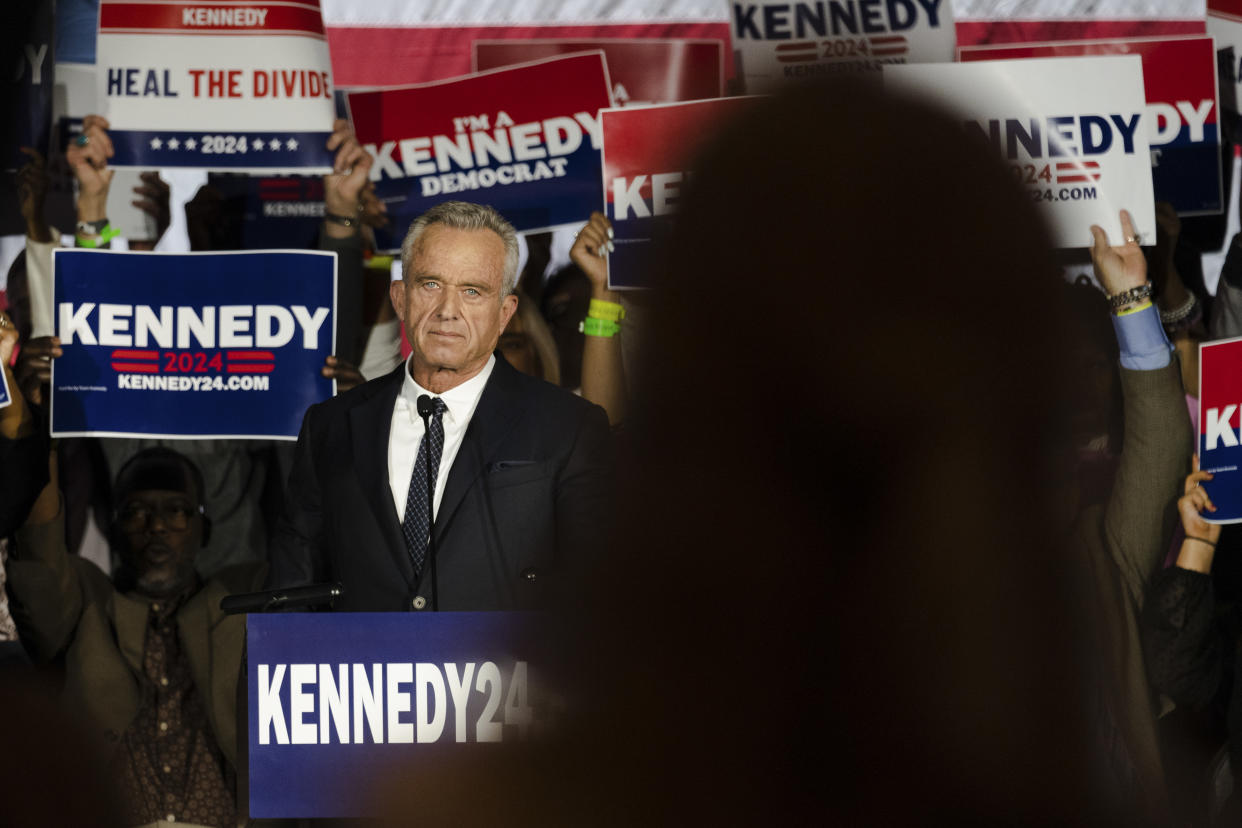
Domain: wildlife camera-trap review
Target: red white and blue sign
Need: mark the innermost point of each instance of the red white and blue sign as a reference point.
(785, 42)
(382, 695)
(647, 152)
(525, 140)
(1069, 129)
(1220, 417)
(6, 398)
(643, 70)
(222, 86)
(1182, 119)
(191, 345)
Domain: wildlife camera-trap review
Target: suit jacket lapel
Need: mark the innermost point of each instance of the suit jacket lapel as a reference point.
(499, 408)
(369, 424)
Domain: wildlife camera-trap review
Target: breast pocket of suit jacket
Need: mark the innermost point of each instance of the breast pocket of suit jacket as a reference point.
(523, 499)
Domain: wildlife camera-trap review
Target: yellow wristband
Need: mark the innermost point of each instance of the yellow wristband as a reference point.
(608, 311)
(1136, 309)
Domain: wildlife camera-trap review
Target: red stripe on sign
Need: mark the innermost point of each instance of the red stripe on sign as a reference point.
(1076, 179)
(208, 18)
(252, 369)
(796, 47)
(135, 354)
(885, 41)
(232, 355)
(136, 367)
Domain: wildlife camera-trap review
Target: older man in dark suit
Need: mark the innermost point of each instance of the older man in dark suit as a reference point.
(522, 469)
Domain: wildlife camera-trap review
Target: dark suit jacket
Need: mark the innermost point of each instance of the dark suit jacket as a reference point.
(526, 501)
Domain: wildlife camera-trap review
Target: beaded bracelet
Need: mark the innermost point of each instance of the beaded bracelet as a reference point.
(1135, 294)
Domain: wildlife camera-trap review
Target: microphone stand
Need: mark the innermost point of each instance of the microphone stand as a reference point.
(424, 411)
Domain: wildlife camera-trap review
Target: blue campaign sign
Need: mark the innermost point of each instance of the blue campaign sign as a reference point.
(338, 702)
(192, 345)
(6, 399)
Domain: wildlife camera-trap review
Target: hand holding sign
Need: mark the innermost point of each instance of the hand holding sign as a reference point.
(1118, 268)
(343, 187)
(347, 376)
(34, 366)
(88, 158)
(1195, 553)
(589, 249)
(32, 186)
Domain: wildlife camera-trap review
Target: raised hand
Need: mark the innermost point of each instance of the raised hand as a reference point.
(32, 187)
(88, 158)
(343, 187)
(152, 198)
(590, 247)
(1118, 267)
(34, 366)
(346, 375)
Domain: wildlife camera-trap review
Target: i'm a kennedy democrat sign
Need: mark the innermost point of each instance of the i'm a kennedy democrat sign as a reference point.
(647, 151)
(236, 86)
(523, 139)
(1069, 129)
(1182, 116)
(191, 345)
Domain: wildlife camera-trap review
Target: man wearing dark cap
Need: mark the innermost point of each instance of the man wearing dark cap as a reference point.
(149, 657)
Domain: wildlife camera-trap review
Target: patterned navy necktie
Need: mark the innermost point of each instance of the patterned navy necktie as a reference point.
(415, 526)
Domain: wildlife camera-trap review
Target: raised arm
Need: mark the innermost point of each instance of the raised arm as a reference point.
(603, 373)
(1186, 650)
(1155, 453)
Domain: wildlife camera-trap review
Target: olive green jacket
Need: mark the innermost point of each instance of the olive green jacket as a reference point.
(65, 604)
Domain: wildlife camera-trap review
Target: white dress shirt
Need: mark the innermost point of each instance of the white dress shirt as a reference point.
(407, 431)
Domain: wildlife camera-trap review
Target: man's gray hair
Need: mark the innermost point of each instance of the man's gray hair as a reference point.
(462, 215)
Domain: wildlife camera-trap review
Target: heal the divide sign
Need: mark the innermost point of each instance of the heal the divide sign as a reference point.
(242, 86)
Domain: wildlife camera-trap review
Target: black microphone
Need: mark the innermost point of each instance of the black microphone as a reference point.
(424, 411)
(274, 599)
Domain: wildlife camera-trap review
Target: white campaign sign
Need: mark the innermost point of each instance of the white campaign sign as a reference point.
(779, 43)
(1069, 128)
(246, 86)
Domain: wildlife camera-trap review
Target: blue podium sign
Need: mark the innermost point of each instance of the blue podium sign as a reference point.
(340, 700)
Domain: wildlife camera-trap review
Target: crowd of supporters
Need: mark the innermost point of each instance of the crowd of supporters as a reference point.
(907, 526)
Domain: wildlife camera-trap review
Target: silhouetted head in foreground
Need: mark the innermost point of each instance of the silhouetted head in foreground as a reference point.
(836, 589)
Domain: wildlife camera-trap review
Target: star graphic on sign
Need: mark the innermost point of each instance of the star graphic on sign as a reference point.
(156, 143)
(274, 144)
(190, 143)
(292, 143)
(173, 143)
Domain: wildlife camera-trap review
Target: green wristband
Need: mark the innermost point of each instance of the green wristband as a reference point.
(599, 327)
(106, 235)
